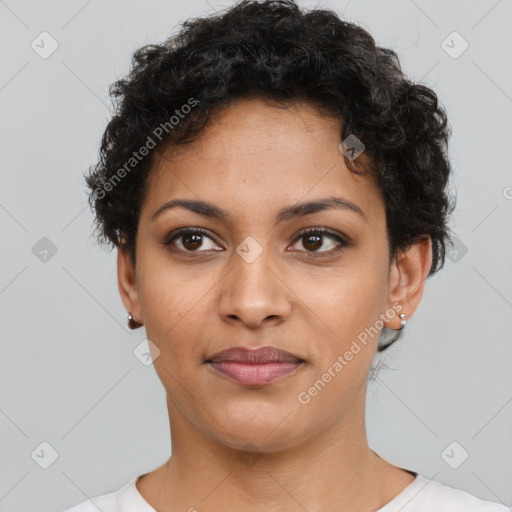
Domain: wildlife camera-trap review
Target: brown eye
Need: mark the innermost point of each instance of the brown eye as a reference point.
(314, 238)
(313, 242)
(189, 240)
(192, 241)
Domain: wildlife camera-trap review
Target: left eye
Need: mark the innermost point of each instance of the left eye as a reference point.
(314, 239)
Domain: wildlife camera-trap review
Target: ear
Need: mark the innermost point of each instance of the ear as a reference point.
(407, 278)
(127, 283)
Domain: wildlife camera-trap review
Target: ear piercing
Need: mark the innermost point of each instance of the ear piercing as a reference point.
(403, 320)
(132, 324)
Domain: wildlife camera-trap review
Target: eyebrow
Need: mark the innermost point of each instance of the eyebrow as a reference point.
(289, 212)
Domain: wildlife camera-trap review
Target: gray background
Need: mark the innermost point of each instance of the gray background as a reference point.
(68, 373)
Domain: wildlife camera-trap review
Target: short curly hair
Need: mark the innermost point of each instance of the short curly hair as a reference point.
(279, 52)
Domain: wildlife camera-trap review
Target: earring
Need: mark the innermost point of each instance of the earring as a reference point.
(403, 320)
(132, 324)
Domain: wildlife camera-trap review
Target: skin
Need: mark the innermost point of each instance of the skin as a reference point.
(252, 160)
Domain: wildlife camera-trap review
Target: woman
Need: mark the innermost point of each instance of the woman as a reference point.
(277, 192)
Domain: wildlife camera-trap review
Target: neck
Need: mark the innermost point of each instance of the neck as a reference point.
(334, 469)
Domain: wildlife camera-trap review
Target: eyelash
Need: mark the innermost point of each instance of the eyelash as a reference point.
(309, 231)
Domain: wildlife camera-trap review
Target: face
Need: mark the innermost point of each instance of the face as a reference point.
(252, 277)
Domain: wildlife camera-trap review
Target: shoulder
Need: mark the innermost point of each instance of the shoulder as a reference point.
(110, 502)
(432, 495)
(105, 503)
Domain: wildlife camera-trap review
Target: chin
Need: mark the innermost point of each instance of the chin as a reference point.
(265, 429)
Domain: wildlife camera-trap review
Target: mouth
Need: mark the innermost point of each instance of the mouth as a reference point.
(254, 367)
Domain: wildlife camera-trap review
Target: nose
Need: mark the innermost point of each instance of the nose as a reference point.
(252, 293)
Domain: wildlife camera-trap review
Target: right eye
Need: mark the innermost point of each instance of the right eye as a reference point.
(190, 239)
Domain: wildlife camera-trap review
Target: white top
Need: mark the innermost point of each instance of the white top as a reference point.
(421, 495)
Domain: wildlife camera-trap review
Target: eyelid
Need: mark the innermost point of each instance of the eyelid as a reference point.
(182, 231)
(344, 242)
(324, 231)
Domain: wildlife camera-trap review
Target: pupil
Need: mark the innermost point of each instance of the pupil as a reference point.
(197, 241)
(315, 245)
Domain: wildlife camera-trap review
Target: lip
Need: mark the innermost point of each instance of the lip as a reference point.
(255, 367)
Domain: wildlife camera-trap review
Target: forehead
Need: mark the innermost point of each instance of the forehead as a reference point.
(253, 156)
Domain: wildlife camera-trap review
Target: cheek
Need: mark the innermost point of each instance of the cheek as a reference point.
(171, 300)
(170, 290)
(348, 298)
